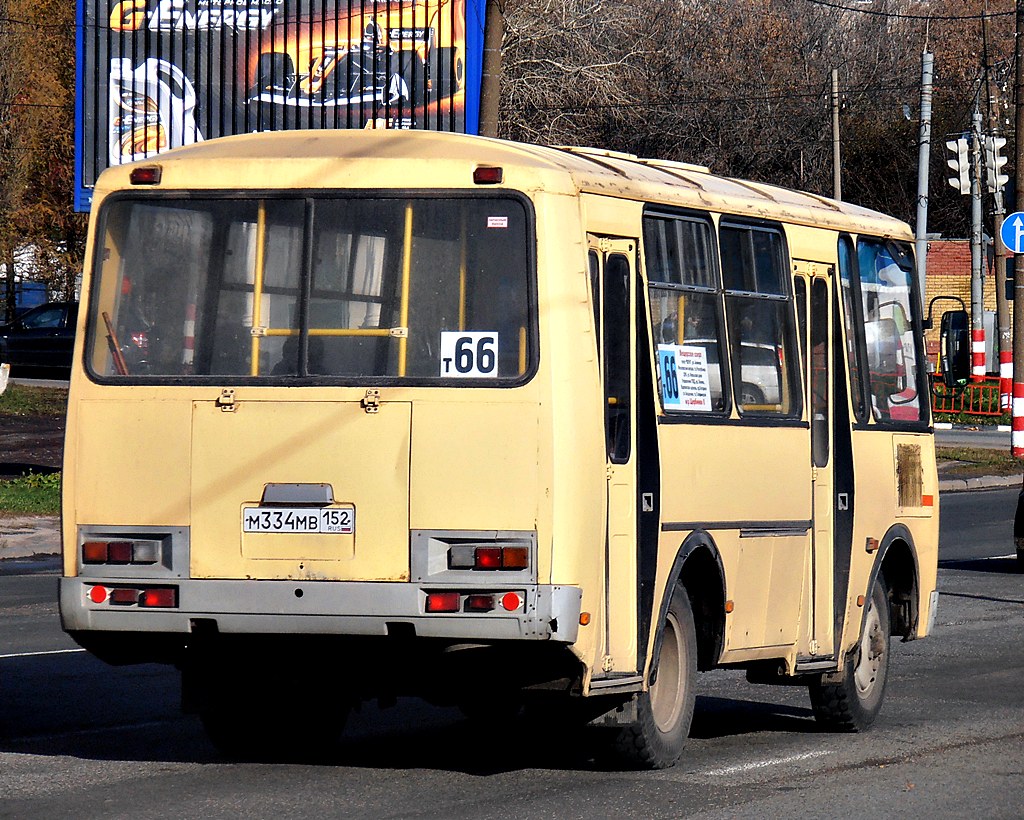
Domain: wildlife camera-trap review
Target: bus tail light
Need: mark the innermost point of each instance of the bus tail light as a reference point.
(475, 602)
(120, 552)
(124, 596)
(443, 602)
(471, 556)
(162, 597)
(479, 603)
(145, 597)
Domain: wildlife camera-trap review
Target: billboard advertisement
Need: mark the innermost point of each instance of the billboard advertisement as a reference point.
(157, 74)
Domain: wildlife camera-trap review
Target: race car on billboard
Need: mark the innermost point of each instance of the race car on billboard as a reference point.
(399, 54)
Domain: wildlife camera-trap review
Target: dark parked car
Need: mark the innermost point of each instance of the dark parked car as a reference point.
(42, 337)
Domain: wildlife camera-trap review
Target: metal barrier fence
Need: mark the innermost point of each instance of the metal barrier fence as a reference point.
(976, 398)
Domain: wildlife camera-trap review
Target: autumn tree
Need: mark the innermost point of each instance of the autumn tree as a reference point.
(743, 86)
(37, 70)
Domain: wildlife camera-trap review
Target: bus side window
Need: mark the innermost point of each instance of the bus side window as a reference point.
(760, 318)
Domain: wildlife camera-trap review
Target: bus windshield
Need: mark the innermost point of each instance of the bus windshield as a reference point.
(416, 289)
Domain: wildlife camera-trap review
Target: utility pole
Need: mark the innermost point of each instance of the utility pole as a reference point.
(977, 283)
(923, 155)
(490, 86)
(1017, 434)
(995, 183)
(837, 175)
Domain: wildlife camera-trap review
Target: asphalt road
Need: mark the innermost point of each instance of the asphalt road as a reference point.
(79, 738)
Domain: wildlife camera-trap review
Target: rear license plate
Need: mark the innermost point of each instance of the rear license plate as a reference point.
(330, 520)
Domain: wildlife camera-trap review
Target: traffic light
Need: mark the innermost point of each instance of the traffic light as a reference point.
(994, 162)
(960, 164)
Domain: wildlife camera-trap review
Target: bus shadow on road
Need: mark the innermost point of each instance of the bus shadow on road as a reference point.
(725, 717)
(74, 705)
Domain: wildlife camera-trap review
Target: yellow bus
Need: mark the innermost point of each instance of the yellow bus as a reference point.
(372, 414)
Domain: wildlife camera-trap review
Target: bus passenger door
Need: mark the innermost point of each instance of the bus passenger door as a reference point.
(613, 271)
(813, 292)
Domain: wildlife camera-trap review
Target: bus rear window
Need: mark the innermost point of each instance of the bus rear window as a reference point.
(416, 289)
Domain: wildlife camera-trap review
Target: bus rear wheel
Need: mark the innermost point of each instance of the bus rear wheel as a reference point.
(665, 710)
(853, 703)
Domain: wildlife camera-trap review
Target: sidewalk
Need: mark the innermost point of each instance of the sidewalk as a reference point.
(29, 535)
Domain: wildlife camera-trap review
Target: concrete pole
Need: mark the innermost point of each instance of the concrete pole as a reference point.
(1017, 436)
(490, 86)
(977, 298)
(923, 155)
(999, 254)
(837, 172)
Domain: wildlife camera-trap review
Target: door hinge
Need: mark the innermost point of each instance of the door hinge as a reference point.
(226, 400)
(608, 663)
(605, 244)
(371, 401)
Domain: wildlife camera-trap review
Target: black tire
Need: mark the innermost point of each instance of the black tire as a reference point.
(665, 710)
(852, 704)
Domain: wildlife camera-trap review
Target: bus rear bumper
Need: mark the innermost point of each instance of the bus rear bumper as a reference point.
(545, 612)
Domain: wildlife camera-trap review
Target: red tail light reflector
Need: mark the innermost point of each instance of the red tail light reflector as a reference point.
(124, 596)
(443, 602)
(511, 601)
(480, 603)
(119, 552)
(488, 558)
(98, 594)
(94, 552)
(163, 597)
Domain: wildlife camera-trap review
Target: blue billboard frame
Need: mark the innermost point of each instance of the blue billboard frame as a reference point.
(163, 37)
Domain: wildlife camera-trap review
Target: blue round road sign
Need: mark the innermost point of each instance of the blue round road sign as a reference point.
(1012, 232)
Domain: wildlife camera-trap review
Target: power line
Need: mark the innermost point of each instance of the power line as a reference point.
(900, 16)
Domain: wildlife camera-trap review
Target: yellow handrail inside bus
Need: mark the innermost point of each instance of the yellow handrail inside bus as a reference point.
(462, 273)
(403, 321)
(257, 288)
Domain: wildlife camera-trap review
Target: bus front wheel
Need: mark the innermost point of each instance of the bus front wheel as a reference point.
(853, 703)
(665, 710)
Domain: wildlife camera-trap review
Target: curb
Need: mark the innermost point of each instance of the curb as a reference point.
(984, 482)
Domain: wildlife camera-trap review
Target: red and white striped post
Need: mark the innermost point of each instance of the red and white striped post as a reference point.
(189, 338)
(1017, 431)
(978, 353)
(1005, 379)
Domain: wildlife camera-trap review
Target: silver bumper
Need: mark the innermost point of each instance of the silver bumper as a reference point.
(549, 613)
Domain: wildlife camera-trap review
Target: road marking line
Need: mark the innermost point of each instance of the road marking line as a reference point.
(36, 654)
(762, 764)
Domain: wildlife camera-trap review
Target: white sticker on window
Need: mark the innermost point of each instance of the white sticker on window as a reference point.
(684, 377)
(469, 354)
(497, 222)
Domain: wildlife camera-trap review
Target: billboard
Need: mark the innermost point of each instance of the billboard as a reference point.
(157, 74)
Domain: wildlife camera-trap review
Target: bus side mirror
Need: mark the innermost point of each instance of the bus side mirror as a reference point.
(955, 348)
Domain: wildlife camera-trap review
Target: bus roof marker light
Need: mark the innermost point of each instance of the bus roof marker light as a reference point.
(488, 175)
(146, 175)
